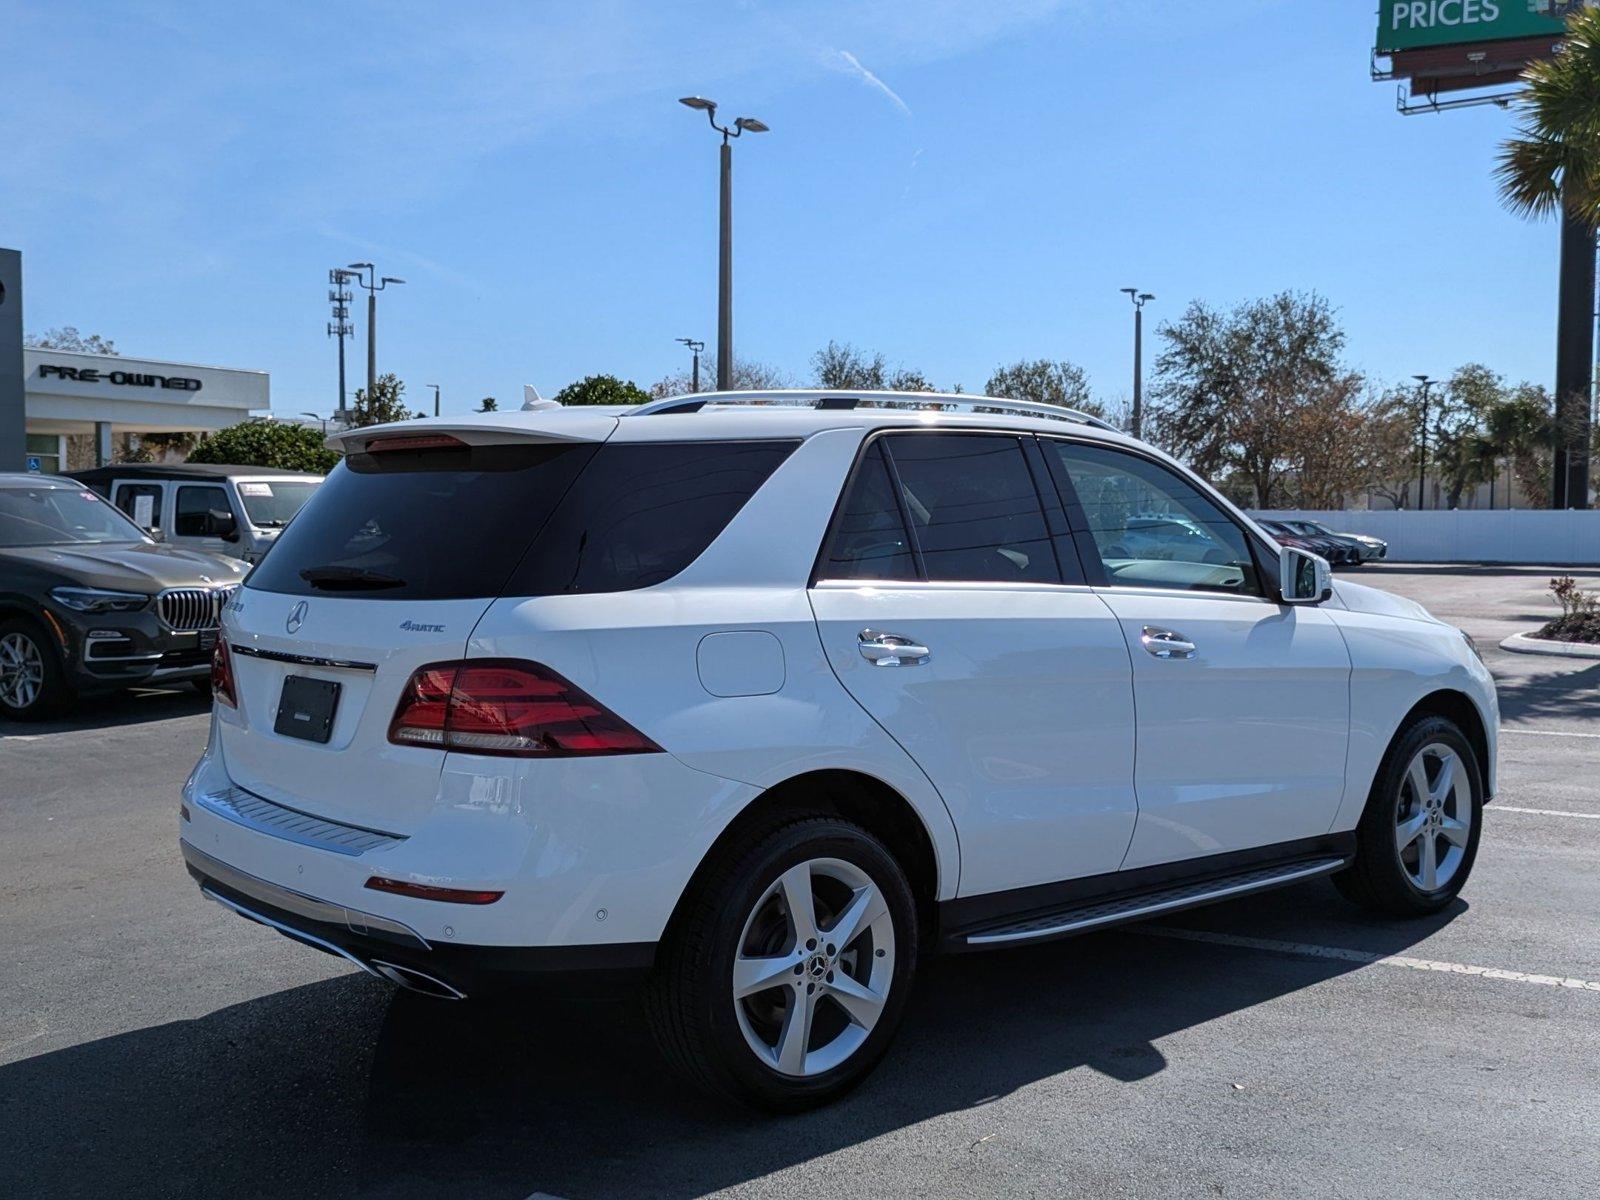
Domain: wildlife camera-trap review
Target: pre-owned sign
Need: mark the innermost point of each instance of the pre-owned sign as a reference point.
(176, 383)
(1414, 24)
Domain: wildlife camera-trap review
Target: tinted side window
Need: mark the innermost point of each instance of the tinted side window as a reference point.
(128, 497)
(869, 539)
(643, 512)
(1150, 527)
(194, 503)
(973, 507)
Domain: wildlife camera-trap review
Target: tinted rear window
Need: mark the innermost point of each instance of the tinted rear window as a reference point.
(643, 512)
(522, 519)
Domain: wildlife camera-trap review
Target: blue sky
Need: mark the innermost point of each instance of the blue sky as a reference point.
(954, 184)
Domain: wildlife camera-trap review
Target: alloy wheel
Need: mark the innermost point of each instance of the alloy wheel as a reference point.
(21, 670)
(813, 967)
(1433, 822)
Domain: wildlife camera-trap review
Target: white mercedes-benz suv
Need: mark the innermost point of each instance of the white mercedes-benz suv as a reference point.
(755, 699)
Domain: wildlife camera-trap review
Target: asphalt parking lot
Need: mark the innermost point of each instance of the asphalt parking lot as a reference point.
(152, 1044)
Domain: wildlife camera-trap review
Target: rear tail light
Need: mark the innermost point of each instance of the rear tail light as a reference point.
(222, 676)
(508, 707)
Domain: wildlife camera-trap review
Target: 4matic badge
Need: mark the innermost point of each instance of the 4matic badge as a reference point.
(413, 627)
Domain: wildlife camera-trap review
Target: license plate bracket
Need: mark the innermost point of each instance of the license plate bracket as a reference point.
(306, 707)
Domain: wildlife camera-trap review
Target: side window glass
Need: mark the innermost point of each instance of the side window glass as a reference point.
(140, 502)
(194, 506)
(1153, 528)
(869, 539)
(973, 507)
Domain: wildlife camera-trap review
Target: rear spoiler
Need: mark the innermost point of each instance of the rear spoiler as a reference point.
(564, 425)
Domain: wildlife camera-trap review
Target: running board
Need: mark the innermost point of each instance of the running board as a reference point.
(1080, 918)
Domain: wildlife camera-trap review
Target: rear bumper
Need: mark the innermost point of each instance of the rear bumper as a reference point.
(394, 951)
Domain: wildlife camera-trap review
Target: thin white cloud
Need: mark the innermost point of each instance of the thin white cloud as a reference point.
(852, 65)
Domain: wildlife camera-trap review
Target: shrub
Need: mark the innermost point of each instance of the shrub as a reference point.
(1580, 613)
(267, 444)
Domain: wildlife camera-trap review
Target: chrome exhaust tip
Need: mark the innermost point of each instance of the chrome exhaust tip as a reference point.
(414, 980)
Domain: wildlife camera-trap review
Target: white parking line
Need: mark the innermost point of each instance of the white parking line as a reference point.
(1548, 732)
(1339, 953)
(1544, 812)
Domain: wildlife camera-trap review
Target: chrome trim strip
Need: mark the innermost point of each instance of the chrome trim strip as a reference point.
(279, 820)
(302, 660)
(298, 903)
(298, 935)
(1000, 937)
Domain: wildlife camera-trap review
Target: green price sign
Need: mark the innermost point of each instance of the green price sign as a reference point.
(1415, 24)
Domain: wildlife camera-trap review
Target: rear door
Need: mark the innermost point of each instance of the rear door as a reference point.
(386, 569)
(1243, 703)
(140, 501)
(945, 611)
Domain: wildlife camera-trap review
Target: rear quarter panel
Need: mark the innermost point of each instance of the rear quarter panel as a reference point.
(640, 654)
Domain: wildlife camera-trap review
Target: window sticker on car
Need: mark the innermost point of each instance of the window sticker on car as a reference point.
(144, 510)
(255, 489)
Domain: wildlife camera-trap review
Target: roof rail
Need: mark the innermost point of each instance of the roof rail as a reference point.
(891, 401)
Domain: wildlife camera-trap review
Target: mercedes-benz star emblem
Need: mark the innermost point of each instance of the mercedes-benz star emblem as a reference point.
(297, 617)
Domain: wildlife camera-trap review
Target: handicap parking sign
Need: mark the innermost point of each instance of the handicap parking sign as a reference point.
(34, 464)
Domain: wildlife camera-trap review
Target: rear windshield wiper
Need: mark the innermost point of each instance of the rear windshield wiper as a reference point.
(349, 579)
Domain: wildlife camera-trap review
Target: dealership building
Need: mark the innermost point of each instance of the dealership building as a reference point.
(79, 410)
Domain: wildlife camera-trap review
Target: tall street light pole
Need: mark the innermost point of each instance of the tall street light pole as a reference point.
(1139, 300)
(725, 239)
(374, 285)
(1423, 384)
(695, 348)
(435, 388)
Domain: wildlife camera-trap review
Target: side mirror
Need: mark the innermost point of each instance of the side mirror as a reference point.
(221, 523)
(1303, 577)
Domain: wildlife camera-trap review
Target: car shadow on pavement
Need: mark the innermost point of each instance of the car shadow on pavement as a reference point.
(135, 706)
(345, 1088)
(1567, 695)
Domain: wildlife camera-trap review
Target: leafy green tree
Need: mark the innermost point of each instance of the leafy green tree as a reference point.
(1231, 388)
(602, 389)
(1553, 166)
(387, 403)
(1555, 158)
(1043, 381)
(68, 338)
(488, 404)
(267, 444)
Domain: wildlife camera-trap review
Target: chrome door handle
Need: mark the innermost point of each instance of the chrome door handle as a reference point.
(891, 650)
(1164, 643)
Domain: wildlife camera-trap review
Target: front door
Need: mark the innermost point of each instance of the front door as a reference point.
(951, 607)
(203, 517)
(1243, 704)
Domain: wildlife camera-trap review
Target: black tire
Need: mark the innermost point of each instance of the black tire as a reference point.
(689, 998)
(1378, 878)
(202, 685)
(54, 692)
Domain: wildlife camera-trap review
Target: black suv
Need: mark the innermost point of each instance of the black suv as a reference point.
(88, 603)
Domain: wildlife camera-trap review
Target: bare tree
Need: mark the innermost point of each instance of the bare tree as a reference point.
(68, 338)
(748, 376)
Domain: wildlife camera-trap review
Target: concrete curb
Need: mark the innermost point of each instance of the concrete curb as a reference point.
(1523, 643)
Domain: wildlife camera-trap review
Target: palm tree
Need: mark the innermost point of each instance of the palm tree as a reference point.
(1555, 158)
(1553, 166)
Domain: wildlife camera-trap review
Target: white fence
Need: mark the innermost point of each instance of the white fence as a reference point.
(1472, 535)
